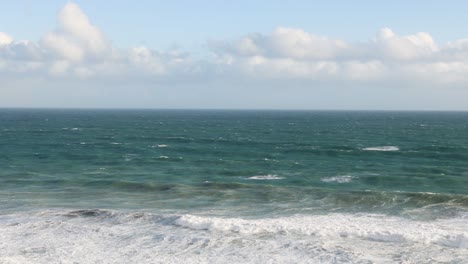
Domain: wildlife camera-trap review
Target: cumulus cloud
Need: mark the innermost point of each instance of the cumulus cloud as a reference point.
(298, 44)
(76, 38)
(79, 49)
(417, 46)
(146, 59)
(289, 52)
(21, 50)
(284, 42)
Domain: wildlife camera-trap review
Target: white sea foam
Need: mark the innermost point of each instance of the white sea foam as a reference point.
(265, 177)
(371, 227)
(130, 157)
(93, 237)
(163, 157)
(338, 179)
(382, 148)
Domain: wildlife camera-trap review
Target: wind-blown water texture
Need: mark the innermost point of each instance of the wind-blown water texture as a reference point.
(233, 186)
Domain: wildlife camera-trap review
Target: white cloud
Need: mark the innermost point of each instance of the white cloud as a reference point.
(21, 50)
(146, 59)
(284, 42)
(417, 46)
(79, 49)
(76, 24)
(364, 71)
(59, 67)
(294, 53)
(76, 38)
(438, 71)
(298, 44)
(247, 46)
(63, 47)
(5, 39)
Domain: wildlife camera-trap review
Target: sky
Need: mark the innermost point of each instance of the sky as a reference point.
(344, 55)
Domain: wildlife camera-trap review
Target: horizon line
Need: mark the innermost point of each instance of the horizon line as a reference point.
(228, 109)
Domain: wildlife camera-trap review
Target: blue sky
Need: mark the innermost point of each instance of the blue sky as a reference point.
(236, 54)
(161, 24)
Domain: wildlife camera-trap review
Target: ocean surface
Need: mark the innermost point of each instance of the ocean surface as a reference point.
(180, 186)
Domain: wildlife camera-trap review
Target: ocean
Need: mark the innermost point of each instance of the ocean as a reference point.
(221, 186)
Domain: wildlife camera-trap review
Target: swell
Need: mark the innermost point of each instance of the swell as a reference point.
(249, 197)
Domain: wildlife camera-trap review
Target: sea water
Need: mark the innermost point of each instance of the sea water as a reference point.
(192, 186)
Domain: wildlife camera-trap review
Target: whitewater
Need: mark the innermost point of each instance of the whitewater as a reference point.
(92, 236)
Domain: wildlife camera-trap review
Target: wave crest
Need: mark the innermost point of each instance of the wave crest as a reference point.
(265, 177)
(382, 148)
(338, 179)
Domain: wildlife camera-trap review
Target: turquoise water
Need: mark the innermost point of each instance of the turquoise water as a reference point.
(205, 159)
(259, 166)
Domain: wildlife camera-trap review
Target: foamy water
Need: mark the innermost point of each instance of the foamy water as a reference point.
(383, 148)
(338, 179)
(92, 236)
(265, 177)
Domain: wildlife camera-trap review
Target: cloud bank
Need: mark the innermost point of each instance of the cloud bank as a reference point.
(294, 53)
(78, 50)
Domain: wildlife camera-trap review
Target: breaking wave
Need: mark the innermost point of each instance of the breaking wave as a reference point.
(382, 148)
(265, 177)
(89, 236)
